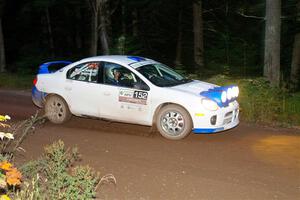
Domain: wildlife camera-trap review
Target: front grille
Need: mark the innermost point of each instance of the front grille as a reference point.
(236, 113)
(229, 114)
(227, 121)
(228, 118)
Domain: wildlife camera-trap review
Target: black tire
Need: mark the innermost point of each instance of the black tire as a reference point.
(174, 122)
(57, 109)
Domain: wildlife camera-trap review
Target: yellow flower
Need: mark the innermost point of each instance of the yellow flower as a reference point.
(13, 177)
(4, 197)
(5, 165)
(4, 118)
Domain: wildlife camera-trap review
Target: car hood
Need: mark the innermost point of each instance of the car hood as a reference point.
(194, 87)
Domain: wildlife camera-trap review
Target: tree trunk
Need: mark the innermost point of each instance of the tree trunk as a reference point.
(103, 35)
(295, 68)
(94, 10)
(103, 27)
(135, 22)
(198, 34)
(272, 42)
(2, 49)
(108, 27)
(50, 35)
(178, 59)
(99, 12)
(94, 35)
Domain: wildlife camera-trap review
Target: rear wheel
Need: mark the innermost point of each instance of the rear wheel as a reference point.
(57, 110)
(174, 122)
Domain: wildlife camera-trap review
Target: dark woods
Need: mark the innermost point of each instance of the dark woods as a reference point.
(204, 37)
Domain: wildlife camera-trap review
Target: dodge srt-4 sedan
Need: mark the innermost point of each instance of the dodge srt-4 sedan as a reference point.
(134, 90)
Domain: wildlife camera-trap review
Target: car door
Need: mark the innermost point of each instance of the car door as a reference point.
(82, 89)
(128, 99)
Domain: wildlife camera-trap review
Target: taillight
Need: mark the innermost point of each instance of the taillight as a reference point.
(35, 81)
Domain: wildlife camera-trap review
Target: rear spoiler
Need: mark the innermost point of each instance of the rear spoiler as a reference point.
(44, 68)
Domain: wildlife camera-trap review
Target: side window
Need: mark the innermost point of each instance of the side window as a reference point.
(87, 72)
(114, 74)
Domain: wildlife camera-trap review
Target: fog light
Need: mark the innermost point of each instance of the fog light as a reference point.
(213, 120)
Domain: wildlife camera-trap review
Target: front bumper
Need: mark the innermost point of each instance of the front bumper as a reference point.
(226, 118)
(214, 130)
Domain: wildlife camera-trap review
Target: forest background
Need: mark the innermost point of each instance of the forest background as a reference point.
(251, 42)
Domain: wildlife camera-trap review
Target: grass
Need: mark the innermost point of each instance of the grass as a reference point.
(16, 81)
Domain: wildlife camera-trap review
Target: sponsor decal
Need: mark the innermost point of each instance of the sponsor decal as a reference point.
(133, 96)
(199, 114)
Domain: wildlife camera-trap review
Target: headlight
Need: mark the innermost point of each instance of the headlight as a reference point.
(224, 96)
(235, 91)
(229, 93)
(209, 104)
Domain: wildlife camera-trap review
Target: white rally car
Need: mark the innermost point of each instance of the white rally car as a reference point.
(135, 90)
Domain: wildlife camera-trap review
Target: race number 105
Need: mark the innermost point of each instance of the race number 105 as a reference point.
(140, 95)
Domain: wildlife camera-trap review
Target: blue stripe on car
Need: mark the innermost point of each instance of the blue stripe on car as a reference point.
(215, 95)
(37, 96)
(136, 58)
(207, 130)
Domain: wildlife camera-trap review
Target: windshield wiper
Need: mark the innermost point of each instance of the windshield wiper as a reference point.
(179, 82)
(186, 80)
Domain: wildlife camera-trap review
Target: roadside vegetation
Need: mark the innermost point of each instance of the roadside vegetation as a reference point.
(55, 175)
(16, 80)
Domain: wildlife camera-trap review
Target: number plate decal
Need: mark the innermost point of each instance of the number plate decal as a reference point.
(140, 95)
(133, 96)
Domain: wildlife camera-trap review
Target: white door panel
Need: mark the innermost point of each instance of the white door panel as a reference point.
(125, 104)
(83, 97)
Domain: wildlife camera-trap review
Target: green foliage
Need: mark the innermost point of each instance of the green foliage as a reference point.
(260, 102)
(81, 185)
(31, 190)
(59, 179)
(3, 157)
(32, 168)
(59, 158)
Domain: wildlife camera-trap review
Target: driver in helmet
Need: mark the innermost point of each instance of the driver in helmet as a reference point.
(117, 77)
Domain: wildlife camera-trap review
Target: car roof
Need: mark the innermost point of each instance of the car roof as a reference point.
(119, 59)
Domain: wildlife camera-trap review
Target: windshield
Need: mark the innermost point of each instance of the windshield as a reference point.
(161, 75)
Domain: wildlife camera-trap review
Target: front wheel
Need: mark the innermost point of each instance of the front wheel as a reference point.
(174, 122)
(57, 110)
